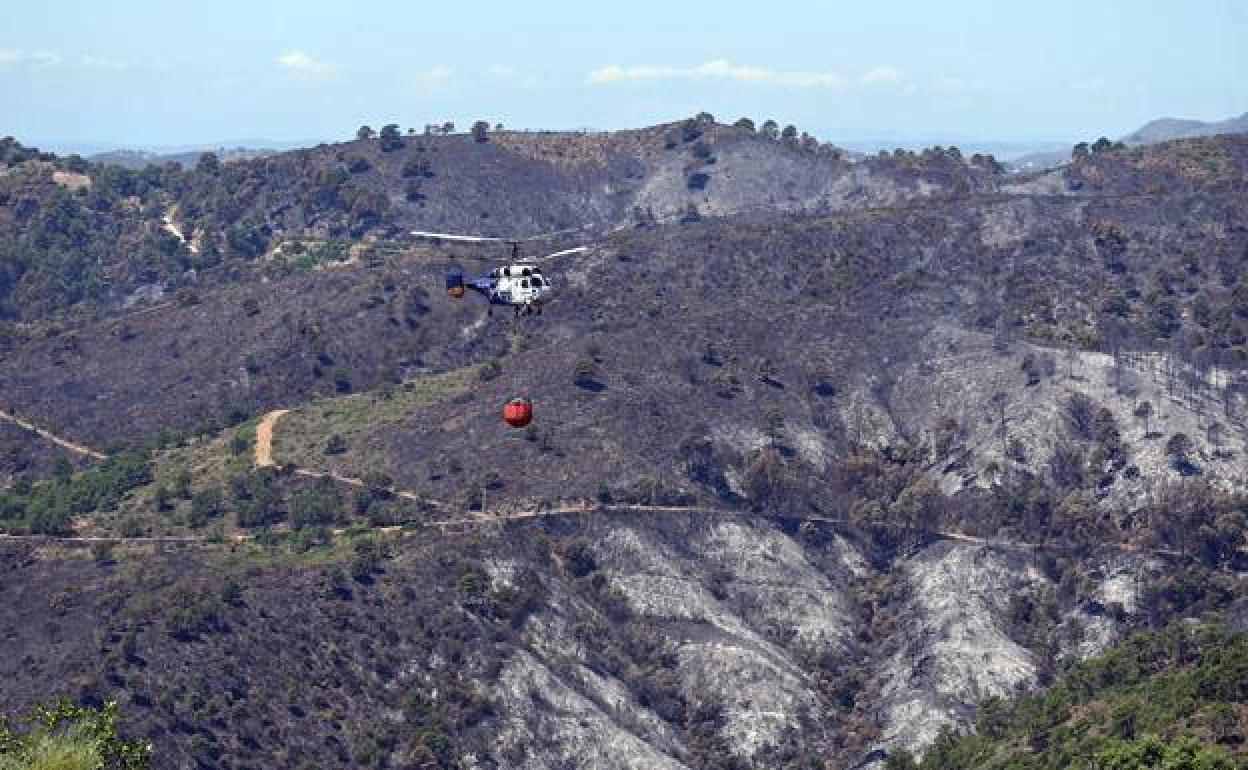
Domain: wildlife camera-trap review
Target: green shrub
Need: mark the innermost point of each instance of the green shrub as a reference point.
(70, 737)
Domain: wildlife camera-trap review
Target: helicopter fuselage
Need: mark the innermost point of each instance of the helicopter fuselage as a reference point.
(518, 285)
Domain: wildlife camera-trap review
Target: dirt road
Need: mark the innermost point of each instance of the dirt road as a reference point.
(61, 442)
(264, 438)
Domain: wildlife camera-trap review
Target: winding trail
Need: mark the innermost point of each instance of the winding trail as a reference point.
(450, 526)
(64, 443)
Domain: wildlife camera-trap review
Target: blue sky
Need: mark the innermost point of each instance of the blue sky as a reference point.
(165, 73)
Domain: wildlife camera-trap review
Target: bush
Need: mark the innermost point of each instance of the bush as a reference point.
(415, 168)
(579, 559)
(206, 505)
(241, 442)
(70, 737)
(191, 616)
(335, 445)
(490, 370)
(319, 505)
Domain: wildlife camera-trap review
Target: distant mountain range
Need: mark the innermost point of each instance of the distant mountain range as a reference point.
(188, 155)
(1165, 129)
(1152, 132)
(136, 159)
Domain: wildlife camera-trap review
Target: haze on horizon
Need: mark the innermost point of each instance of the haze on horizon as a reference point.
(159, 74)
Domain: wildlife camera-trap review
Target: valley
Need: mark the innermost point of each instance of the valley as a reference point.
(827, 454)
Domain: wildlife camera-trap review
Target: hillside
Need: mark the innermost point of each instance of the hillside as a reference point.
(818, 465)
(88, 237)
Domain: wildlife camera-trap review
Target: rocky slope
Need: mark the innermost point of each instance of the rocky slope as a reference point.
(610, 642)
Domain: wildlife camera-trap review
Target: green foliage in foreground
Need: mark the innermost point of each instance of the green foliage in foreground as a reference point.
(1171, 699)
(70, 737)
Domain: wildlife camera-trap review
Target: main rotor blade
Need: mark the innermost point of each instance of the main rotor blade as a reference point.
(564, 253)
(454, 237)
(490, 238)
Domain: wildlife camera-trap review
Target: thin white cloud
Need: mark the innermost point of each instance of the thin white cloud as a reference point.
(305, 67)
(505, 73)
(951, 85)
(87, 61)
(721, 70)
(31, 59)
(433, 79)
(882, 76)
(1089, 85)
(44, 59)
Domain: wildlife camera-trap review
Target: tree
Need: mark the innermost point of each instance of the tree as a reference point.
(481, 131)
(704, 117)
(745, 124)
(1080, 414)
(900, 759)
(1179, 449)
(770, 129)
(342, 380)
(1080, 152)
(1143, 411)
(789, 134)
(1151, 751)
(205, 505)
(208, 163)
(448, 127)
(163, 497)
(319, 505)
(1102, 145)
(579, 558)
(364, 132)
(391, 140)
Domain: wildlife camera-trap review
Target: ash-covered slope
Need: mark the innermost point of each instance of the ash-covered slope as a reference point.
(675, 355)
(607, 642)
(95, 238)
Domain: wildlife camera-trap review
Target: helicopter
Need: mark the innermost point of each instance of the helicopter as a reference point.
(519, 284)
